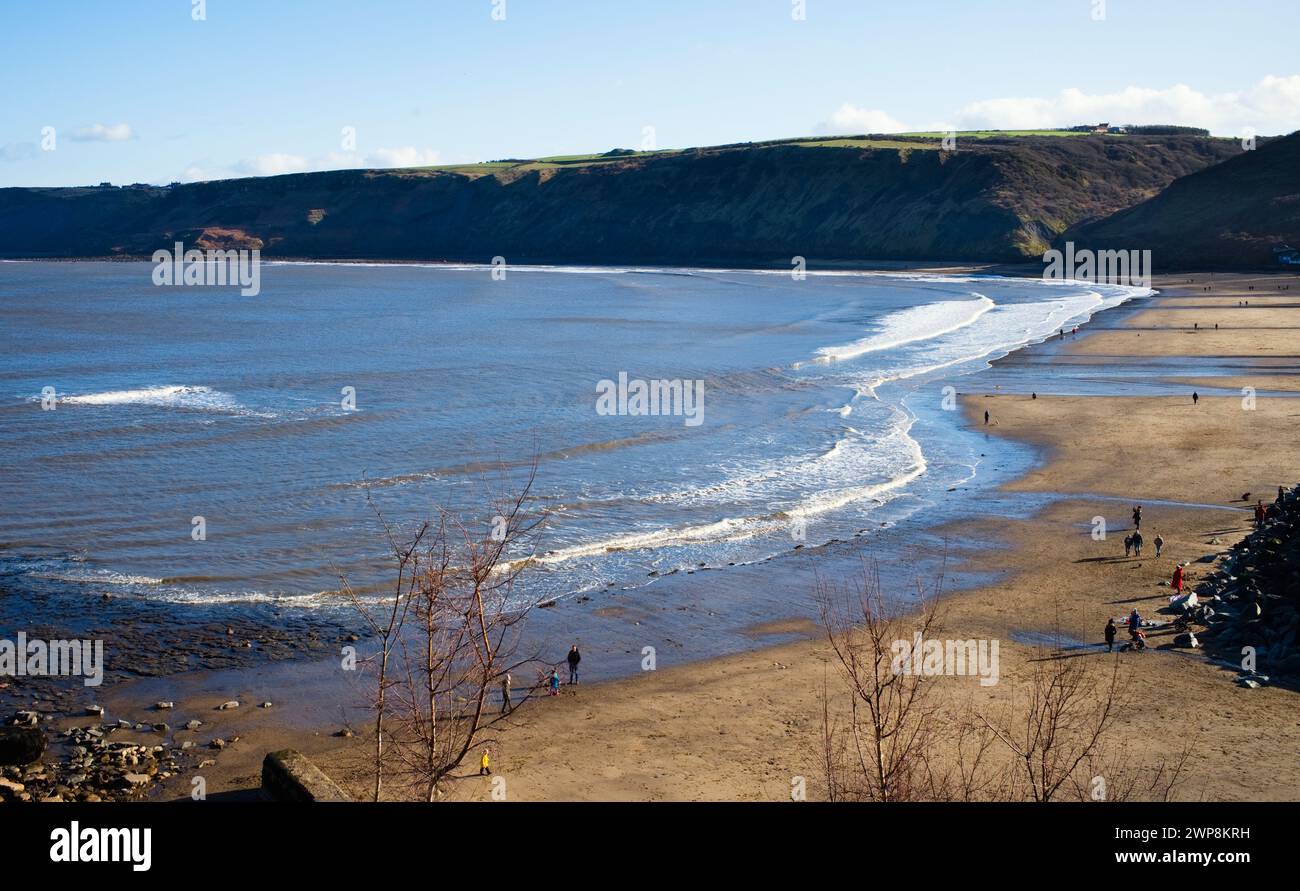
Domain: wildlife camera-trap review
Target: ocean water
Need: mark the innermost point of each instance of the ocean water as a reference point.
(823, 415)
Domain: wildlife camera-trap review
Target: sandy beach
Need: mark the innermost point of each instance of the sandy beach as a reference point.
(745, 727)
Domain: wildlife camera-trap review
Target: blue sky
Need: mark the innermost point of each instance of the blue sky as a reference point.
(141, 91)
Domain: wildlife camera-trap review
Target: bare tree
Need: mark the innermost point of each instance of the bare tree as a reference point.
(892, 739)
(1072, 704)
(448, 633)
(881, 752)
(1112, 774)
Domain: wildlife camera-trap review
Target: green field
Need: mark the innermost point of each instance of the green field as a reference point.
(919, 141)
(985, 134)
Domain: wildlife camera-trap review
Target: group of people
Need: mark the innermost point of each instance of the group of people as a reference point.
(551, 682)
(1133, 543)
(1136, 635)
(552, 686)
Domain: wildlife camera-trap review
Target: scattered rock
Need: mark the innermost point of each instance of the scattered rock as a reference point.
(95, 710)
(227, 706)
(163, 706)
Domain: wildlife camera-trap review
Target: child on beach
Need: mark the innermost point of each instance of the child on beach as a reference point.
(1110, 634)
(484, 768)
(555, 682)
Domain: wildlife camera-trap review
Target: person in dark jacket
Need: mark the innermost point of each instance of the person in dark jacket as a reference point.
(574, 658)
(1110, 634)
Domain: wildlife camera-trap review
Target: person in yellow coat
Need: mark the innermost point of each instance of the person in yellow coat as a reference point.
(484, 764)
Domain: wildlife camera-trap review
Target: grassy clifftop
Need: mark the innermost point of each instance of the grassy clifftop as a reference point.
(852, 198)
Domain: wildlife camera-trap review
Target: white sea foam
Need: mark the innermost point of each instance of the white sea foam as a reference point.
(911, 325)
(851, 459)
(98, 577)
(946, 334)
(189, 398)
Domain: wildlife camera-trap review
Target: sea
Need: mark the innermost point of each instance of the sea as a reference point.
(199, 449)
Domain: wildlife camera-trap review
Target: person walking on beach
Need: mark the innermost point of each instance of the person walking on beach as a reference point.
(1259, 514)
(1196, 397)
(1177, 583)
(1128, 545)
(506, 706)
(1137, 516)
(1110, 634)
(986, 418)
(574, 658)
(1137, 543)
(485, 765)
(554, 682)
(1160, 544)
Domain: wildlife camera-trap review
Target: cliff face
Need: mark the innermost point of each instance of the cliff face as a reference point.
(1229, 216)
(884, 199)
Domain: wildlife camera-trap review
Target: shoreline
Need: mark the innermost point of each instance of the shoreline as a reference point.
(735, 673)
(1027, 268)
(740, 727)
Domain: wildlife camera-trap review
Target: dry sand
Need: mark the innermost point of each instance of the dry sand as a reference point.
(743, 727)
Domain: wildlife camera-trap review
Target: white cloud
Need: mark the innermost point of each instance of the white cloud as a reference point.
(276, 163)
(406, 156)
(102, 133)
(1270, 106)
(848, 118)
(271, 165)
